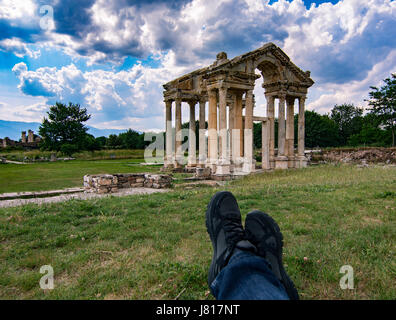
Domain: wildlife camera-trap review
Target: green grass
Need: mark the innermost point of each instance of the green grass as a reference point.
(155, 247)
(40, 176)
(18, 155)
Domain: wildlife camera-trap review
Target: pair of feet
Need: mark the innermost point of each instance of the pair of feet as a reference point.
(261, 236)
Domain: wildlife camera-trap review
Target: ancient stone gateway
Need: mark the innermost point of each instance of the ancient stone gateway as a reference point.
(230, 83)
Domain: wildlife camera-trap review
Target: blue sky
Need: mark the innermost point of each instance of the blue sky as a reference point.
(113, 56)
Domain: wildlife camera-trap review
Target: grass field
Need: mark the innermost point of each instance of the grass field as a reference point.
(18, 155)
(40, 176)
(156, 247)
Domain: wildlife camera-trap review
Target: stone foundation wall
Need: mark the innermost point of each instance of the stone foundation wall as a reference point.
(107, 183)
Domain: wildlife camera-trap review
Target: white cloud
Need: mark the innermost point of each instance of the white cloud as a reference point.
(348, 47)
(17, 9)
(355, 91)
(19, 48)
(23, 110)
(130, 98)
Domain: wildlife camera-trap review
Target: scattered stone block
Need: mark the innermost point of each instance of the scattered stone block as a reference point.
(107, 183)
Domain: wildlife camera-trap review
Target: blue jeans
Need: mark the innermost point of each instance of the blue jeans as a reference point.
(247, 277)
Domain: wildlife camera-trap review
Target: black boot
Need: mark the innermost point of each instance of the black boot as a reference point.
(223, 222)
(264, 233)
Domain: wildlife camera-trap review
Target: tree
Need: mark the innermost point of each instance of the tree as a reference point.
(320, 130)
(383, 104)
(64, 125)
(348, 119)
(101, 141)
(371, 133)
(131, 139)
(114, 141)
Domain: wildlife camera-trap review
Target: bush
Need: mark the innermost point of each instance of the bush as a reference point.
(68, 149)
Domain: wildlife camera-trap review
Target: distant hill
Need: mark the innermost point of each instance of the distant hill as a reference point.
(13, 129)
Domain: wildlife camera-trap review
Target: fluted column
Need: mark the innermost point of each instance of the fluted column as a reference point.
(248, 133)
(237, 143)
(281, 161)
(301, 126)
(212, 128)
(192, 144)
(290, 131)
(202, 137)
(231, 125)
(168, 134)
(271, 124)
(265, 145)
(178, 126)
(281, 126)
(223, 124)
(302, 160)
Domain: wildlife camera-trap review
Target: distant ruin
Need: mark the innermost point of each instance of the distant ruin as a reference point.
(31, 142)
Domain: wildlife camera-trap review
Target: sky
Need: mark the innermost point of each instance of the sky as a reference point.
(112, 57)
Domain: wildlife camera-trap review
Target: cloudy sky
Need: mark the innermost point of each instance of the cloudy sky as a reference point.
(113, 56)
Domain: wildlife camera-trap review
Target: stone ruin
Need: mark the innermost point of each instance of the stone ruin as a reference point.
(109, 183)
(32, 141)
(228, 87)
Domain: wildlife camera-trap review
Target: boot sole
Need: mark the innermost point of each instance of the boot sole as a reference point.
(265, 219)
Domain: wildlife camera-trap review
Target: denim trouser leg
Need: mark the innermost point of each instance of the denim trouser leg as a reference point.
(247, 277)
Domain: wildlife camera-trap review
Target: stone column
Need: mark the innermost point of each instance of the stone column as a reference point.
(212, 130)
(231, 126)
(290, 132)
(23, 136)
(169, 134)
(281, 159)
(302, 160)
(271, 120)
(237, 144)
(192, 145)
(178, 143)
(223, 167)
(202, 137)
(249, 164)
(30, 136)
(223, 123)
(265, 145)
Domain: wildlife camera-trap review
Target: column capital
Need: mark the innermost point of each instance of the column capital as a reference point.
(249, 93)
(212, 92)
(202, 100)
(282, 96)
(192, 103)
(302, 99)
(290, 100)
(269, 97)
(223, 90)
